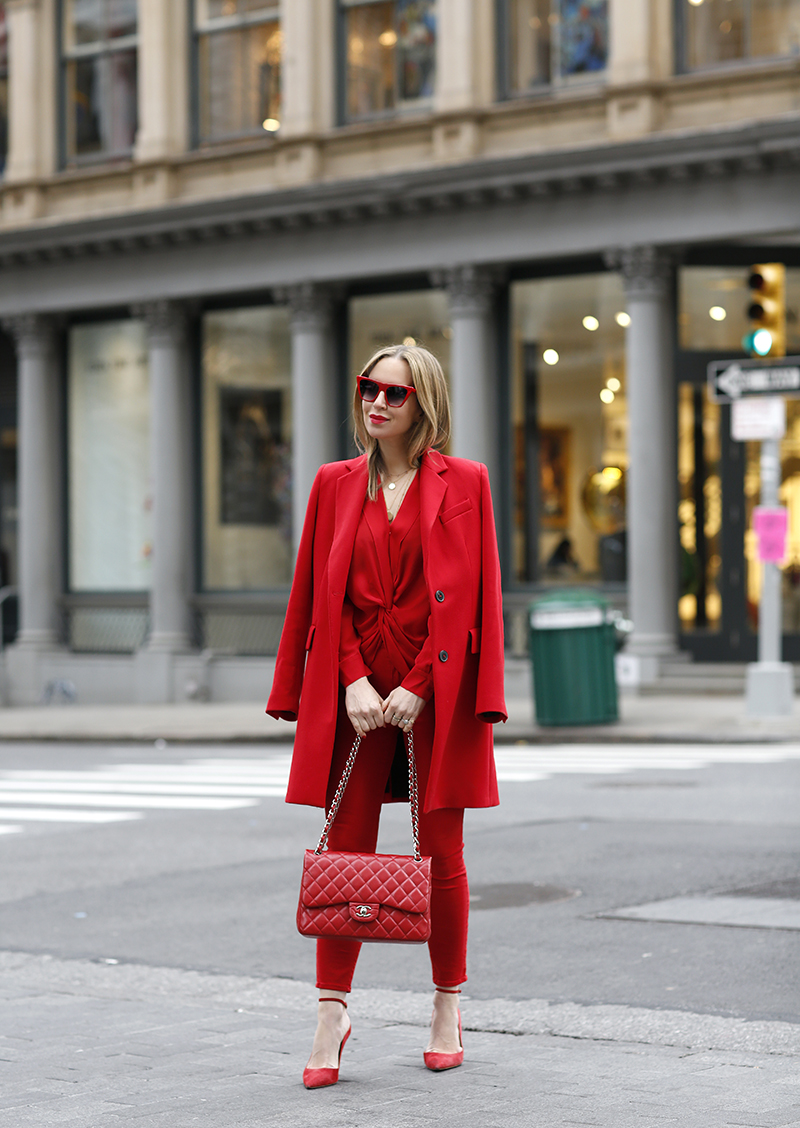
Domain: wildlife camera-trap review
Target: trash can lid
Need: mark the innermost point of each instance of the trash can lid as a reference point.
(565, 608)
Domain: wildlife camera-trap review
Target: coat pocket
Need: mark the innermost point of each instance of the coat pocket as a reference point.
(310, 638)
(475, 640)
(455, 510)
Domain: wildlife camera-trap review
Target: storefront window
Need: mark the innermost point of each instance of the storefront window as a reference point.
(722, 31)
(247, 428)
(699, 509)
(569, 429)
(418, 317)
(713, 303)
(390, 55)
(99, 45)
(238, 45)
(550, 42)
(109, 457)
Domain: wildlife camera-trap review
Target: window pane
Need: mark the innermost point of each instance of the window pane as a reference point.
(83, 22)
(419, 317)
(718, 31)
(712, 302)
(122, 18)
(247, 428)
(120, 129)
(529, 32)
(569, 429)
(416, 46)
(109, 457)
(583, 34)
(371, 59)
(240, 80)
(84, 106)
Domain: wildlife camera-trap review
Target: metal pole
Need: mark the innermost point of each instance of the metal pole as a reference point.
(770, 683)
(769, 618)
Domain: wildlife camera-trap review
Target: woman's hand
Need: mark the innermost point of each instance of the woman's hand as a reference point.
(402, 707)
(364, 706)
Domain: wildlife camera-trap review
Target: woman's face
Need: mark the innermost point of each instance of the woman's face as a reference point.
(381, 421)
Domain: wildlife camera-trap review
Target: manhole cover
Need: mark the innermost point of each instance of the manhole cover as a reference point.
(512, 895)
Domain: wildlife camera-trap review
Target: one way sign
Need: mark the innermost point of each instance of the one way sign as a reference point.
(730, 380)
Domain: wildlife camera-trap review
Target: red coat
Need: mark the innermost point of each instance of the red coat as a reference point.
(462, 573)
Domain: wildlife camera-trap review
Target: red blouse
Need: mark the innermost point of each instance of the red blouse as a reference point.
(386, 608)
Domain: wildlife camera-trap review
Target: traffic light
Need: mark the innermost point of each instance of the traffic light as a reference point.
(766, 310)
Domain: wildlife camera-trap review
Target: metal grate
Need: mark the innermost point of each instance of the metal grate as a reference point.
(241, 632)
(106, 630)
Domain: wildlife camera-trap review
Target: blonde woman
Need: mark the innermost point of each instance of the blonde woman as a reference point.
(395, 623)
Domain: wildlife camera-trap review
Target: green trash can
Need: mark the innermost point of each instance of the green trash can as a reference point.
(573, 642)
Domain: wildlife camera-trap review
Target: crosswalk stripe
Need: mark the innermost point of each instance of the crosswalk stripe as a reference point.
(8, 828)
(63, 814)
(124, 787)
(154, 802)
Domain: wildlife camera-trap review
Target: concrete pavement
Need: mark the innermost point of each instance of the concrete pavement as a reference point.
(692, 718)
(92, 1043)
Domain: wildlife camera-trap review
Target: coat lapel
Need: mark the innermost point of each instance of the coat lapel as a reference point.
(351, 489)
(432, 487)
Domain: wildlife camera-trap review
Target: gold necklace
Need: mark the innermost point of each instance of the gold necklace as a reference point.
(391, 510)
(393, 484)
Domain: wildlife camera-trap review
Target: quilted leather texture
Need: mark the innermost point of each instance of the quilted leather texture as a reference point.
(335, 880)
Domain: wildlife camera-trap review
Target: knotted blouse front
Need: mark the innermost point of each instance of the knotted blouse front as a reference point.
(385, 629)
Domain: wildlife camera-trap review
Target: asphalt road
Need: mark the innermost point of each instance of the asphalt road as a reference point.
(215, 890)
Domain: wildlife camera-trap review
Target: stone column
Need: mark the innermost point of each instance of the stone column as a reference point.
(473, 377)
(652, 478)
(24, 94)
(170, 459)
(39, 485)
(163, 80)
(314, 427)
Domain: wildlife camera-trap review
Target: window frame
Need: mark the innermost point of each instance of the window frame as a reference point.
(505, 93)
(66, 56)
(196, 34)
(746, 62)
(402, 109)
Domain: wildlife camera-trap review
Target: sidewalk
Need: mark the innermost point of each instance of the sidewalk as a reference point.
(95, 1044)
(643, 719)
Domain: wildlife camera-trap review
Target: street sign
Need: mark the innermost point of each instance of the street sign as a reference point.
(730, 380)
(755, 419)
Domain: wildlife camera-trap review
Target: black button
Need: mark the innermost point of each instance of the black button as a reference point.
(440, 597)
(442, 655)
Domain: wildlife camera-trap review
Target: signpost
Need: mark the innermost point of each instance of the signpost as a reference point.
(770, 683)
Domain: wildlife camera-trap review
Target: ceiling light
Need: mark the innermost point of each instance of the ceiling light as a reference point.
(409, 342)
(590, 323)
(550, 356)
(607, 396)
(387, 38)
(272, 125)
(622, 318)
(613, 383)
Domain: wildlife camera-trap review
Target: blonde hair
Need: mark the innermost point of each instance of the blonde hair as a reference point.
(431, 431)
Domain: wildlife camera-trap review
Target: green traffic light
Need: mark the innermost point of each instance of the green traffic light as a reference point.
(759, 342)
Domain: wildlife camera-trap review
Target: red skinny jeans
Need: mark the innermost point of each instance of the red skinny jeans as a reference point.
(441, 838)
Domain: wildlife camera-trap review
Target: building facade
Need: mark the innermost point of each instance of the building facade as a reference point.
(212, 212)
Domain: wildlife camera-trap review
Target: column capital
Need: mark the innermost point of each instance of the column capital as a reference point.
(165, 321)
(32, 332)
(469, 289)
(310, 305)
(646, 270)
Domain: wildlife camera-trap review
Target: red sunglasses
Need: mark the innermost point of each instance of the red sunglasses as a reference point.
(394, 394)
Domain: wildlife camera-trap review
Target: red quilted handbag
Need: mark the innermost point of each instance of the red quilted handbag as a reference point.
(369, 897)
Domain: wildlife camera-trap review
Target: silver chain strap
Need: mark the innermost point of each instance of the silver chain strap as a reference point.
(413, 795)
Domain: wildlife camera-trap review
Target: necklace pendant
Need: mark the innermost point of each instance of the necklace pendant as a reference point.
(392, 486)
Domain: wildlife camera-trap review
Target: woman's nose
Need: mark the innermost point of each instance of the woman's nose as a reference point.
(380, 399)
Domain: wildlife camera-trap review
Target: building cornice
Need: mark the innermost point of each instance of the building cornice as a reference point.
(722, 153)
